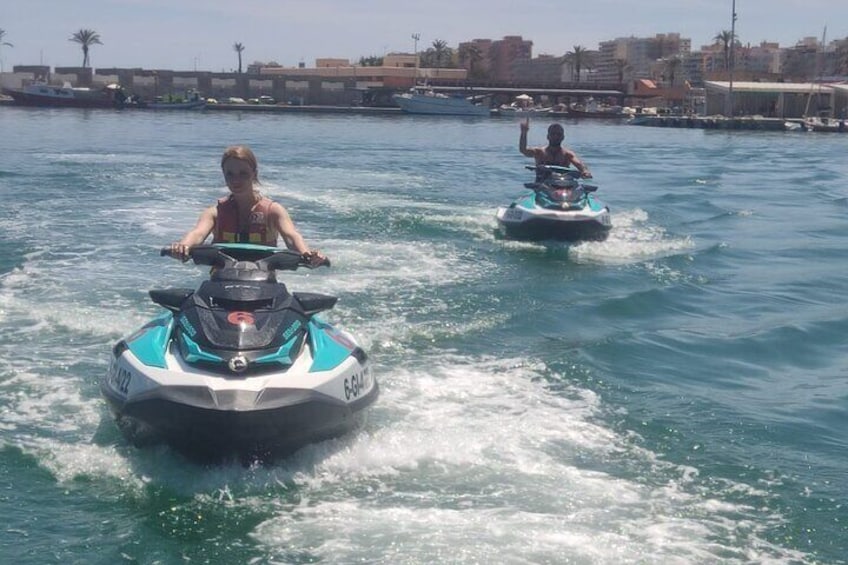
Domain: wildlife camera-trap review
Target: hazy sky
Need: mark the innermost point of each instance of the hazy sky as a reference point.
(188, 34)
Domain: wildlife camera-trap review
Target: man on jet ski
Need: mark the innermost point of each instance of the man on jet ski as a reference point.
(554, 153)
(245, 216)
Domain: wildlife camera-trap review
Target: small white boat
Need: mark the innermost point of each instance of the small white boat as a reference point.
(523, 105)
(181, 105)
(191, 100)
(824, 125)
(510, 110)
(426, 101)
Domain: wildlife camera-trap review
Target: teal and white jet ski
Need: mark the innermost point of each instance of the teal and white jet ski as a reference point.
(240, 366)
(560, 207)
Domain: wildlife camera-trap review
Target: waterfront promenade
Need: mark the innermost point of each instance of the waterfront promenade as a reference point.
(749, 123)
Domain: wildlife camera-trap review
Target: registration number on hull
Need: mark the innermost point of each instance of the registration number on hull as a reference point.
(357, 384)
(513, 214)
(119, 378)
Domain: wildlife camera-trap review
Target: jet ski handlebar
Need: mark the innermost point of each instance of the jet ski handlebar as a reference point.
(266, 258)
(544, 174)
(557, 169)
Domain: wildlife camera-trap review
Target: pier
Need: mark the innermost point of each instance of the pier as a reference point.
(717, 122)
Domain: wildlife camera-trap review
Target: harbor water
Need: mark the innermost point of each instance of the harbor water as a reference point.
(675, 394)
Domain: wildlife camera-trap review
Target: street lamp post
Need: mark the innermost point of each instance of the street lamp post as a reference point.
(729, 109)
(415, 38)
(2, 43)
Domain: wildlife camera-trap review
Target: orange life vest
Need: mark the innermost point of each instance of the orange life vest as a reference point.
(258, 230)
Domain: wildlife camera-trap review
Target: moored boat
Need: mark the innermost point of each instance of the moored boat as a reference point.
(824, 124)
(190, 101)
(609, 113)
(426, 101)
(67, 96)
(185, 105)
(597, 110)
(523, 106)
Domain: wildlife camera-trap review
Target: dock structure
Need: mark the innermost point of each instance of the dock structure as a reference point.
(716, 122)
(305, 109)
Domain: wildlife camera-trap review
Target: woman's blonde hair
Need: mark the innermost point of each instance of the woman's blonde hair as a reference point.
(242, 153)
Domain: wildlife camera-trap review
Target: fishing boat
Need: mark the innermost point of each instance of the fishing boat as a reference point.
(67, 96)
(426, 101)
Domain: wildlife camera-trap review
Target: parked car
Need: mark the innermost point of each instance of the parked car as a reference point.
(234, 100)
(265, 99)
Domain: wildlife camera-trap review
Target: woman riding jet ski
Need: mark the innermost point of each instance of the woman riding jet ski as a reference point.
(240, 366)
(561, 207)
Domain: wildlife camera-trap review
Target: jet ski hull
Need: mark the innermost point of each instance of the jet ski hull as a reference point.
(525, 220)
(239, 367)
(209, 416)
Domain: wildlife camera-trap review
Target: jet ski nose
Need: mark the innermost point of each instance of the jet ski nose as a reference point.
(238, 364)
(562, 182)
(243, 271)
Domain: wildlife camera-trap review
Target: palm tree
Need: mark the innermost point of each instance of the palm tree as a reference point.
(577, 58)
(470, 54)
(672, 65)
(372, 61)
(238, 48)
(439, 47)
(621, 66)
(725, 38)
(86, 38)
(842, 57)
(2, 43)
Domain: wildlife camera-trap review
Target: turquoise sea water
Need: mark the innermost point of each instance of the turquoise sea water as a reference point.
(676, 394)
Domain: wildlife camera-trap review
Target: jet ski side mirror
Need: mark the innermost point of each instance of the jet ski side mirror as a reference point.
(282, 261)
(209, 255)
(202, 255)
(170, 298)
(313, 303)
(289, 261)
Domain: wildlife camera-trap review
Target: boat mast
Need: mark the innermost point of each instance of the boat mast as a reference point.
(729, 109)
(820, 72)
(817, 78)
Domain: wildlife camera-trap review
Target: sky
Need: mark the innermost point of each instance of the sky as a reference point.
(200, 34)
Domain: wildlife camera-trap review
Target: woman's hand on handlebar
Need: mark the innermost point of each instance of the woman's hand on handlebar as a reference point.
(180, 251)
(315, 258)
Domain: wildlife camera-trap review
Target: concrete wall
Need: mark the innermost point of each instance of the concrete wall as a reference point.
(341, 85)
